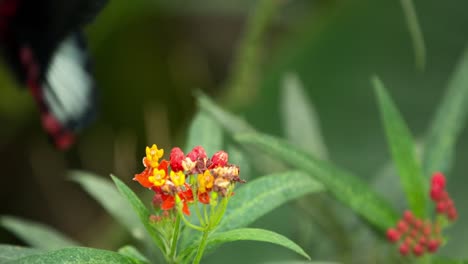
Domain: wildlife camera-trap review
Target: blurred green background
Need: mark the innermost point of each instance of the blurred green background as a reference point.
(151, 55)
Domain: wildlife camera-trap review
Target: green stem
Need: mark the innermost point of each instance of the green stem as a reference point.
(202, 246)
(197, 211)
(187, 223)
(175, 237)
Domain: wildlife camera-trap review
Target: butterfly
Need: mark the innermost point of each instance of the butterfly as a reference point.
(42, 43)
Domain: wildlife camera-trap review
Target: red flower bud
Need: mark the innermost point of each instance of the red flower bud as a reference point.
(197, 152)
(418, 224)
(393, 235)
(404, 249)
(452, 213)
(437, 193)
(441, 207)
(438, 179)
(418, 250)
(433, 245)
(219, 159)
(176, 158)
(402, 226)
(408, 216)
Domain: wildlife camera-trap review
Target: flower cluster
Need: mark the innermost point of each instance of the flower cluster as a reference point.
(184, 177)
(418, 236)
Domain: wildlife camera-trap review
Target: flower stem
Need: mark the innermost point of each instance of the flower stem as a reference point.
(202, 246)
(186, 222)
(175, 237)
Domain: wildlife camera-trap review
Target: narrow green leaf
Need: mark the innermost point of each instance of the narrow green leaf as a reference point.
(104, 191)
(264, 194)
(230, 122)
(346, 187)
(140, 209)
(233, 125)
(10, 252)
(416, 34)
(403, 151)
(206, 132)
(448, 122)
(35, 234)
(252, 234)
(300, 120)
(76, 255)
(131, 251)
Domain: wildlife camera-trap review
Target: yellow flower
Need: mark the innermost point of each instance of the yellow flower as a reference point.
(178, 178)
(205, 181)
(158, 178)
(153, 155)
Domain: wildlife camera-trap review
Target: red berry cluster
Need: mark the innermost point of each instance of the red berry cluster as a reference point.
(418, 236)
(444, 204)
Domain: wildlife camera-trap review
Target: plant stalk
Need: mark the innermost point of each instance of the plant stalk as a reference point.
(202, 246)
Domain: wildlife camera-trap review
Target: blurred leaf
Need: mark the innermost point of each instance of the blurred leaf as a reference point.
(35, 234)
(252, 234)
(140, 209)
(448, 122)
(416, 34)
(403, 151)
(132, 252)
(238, 157)
(9, 252)
(262, 195)
(233, 125)
(346, 187)
(230, 122)
(443, 260)
(205, 131)
(300, 120)
(76, 255)
(106, 194)
(300, 262)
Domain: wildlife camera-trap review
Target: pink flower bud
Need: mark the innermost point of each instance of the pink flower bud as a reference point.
(197, 152)
(219, 159)
(176, 158)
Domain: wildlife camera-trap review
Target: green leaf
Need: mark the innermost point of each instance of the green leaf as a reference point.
(403, 151)
(9, 252)
(206, 132)
(416, 34)
(238, 157)
(233, 125)
(35, 234)
(444, 260)
(448, 122)
(230, 122)
(104, 191)
(346, 187)
(300, 120)
(140, 209)
(262, 195)
(299, 262)
(76, 255)
(132, 252)
(252, 234)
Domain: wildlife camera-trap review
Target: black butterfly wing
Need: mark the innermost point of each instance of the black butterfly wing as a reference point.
(43, 46)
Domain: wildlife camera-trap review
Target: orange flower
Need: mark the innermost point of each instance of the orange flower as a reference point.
(205, 181)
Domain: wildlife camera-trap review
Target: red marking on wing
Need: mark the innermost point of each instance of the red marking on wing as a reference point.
(62, 137)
